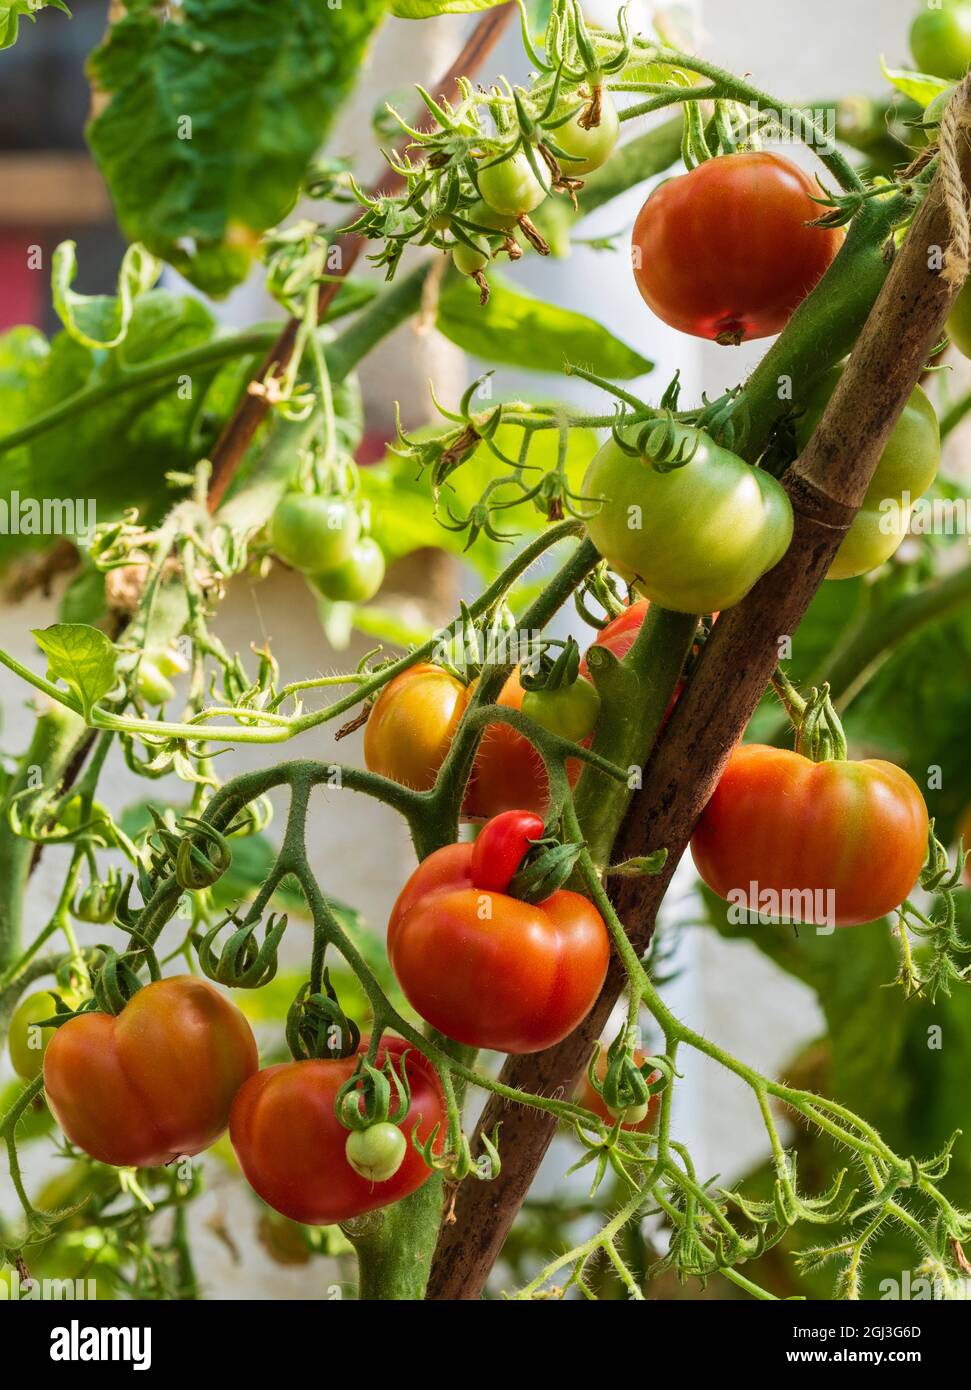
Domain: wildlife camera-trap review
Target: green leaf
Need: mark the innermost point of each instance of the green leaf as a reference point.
(919, 86)
(82, 657)
(427, 9)
(10, 15)
(214, 109)
(100, 320)
(518, 330)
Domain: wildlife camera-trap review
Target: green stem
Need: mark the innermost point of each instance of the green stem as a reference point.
(54, 740)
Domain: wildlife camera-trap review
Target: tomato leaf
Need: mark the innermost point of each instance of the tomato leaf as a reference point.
(82, 657)
(214, 109)
(427, 9)
(100, 320)
(520, 331)
(919, 86)
(10, 16)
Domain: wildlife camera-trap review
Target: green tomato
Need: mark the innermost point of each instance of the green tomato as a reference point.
(376, 1153)
(907, 466)
(511, 187)
(170, 661)
(633, 1115)
(70, 814)
(586, 150)
(571, 711)
(154, 687)
(314, 534)
(959, 324)
(27, 1041)
(694, 539)
(940, 40)
(358, 579)
(468, 259)
(480, 214)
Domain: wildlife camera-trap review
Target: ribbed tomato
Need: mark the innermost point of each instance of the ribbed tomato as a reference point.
(490, 970)
(725, 251)
(155, 1082)
(832, 843)
(292, 1147)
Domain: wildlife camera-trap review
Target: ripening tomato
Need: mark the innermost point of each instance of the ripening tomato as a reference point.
(834, 843)
(940, 39)
(409, 730)
(509, 774)
(693, 539)
(490, 970)
(292, 1147)
(591, 1099)
(620, 634)
(725, 252)
(157, 1081)
(906, 469)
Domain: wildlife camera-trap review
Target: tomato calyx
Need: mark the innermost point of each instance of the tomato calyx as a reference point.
(98, 902)
(819, 734)
(202, 854)
(375, 1095)
(630, 1081)
(514, 855)
(242, 962)
(317, 1027)
(544, 871)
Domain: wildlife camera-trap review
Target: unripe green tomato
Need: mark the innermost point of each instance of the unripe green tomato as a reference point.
(908, 464)
(27, 1041)
(959, 324)
(70, 814)
(940, 39)
(693, 539)
(170, 661)
(376, 1153)
(482, 215)
(468, 259)
(511, 187)
(633, 1115)
(153, 686)
(314, 534)
(588, 149)
(357, 579)
(96, 903)
(571, 711)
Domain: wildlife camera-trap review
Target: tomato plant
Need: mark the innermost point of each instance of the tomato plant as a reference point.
(292, 1147)
(629, 504)
(843, 842)
(157, 1081)
(907, 467)
(695, 538)
(490, 970)
(726, 251)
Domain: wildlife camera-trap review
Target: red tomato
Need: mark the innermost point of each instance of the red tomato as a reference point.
(619, 635)
(412, 724)
(593, 1100)
(489, 970)
(501, 847)
(853, 832)
(158, 1081)
(291, 1145)
(724, 251)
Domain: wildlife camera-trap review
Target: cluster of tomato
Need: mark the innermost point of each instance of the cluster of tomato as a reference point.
(323, 538)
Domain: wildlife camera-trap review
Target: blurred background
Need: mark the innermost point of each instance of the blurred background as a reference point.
(757, 1003)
